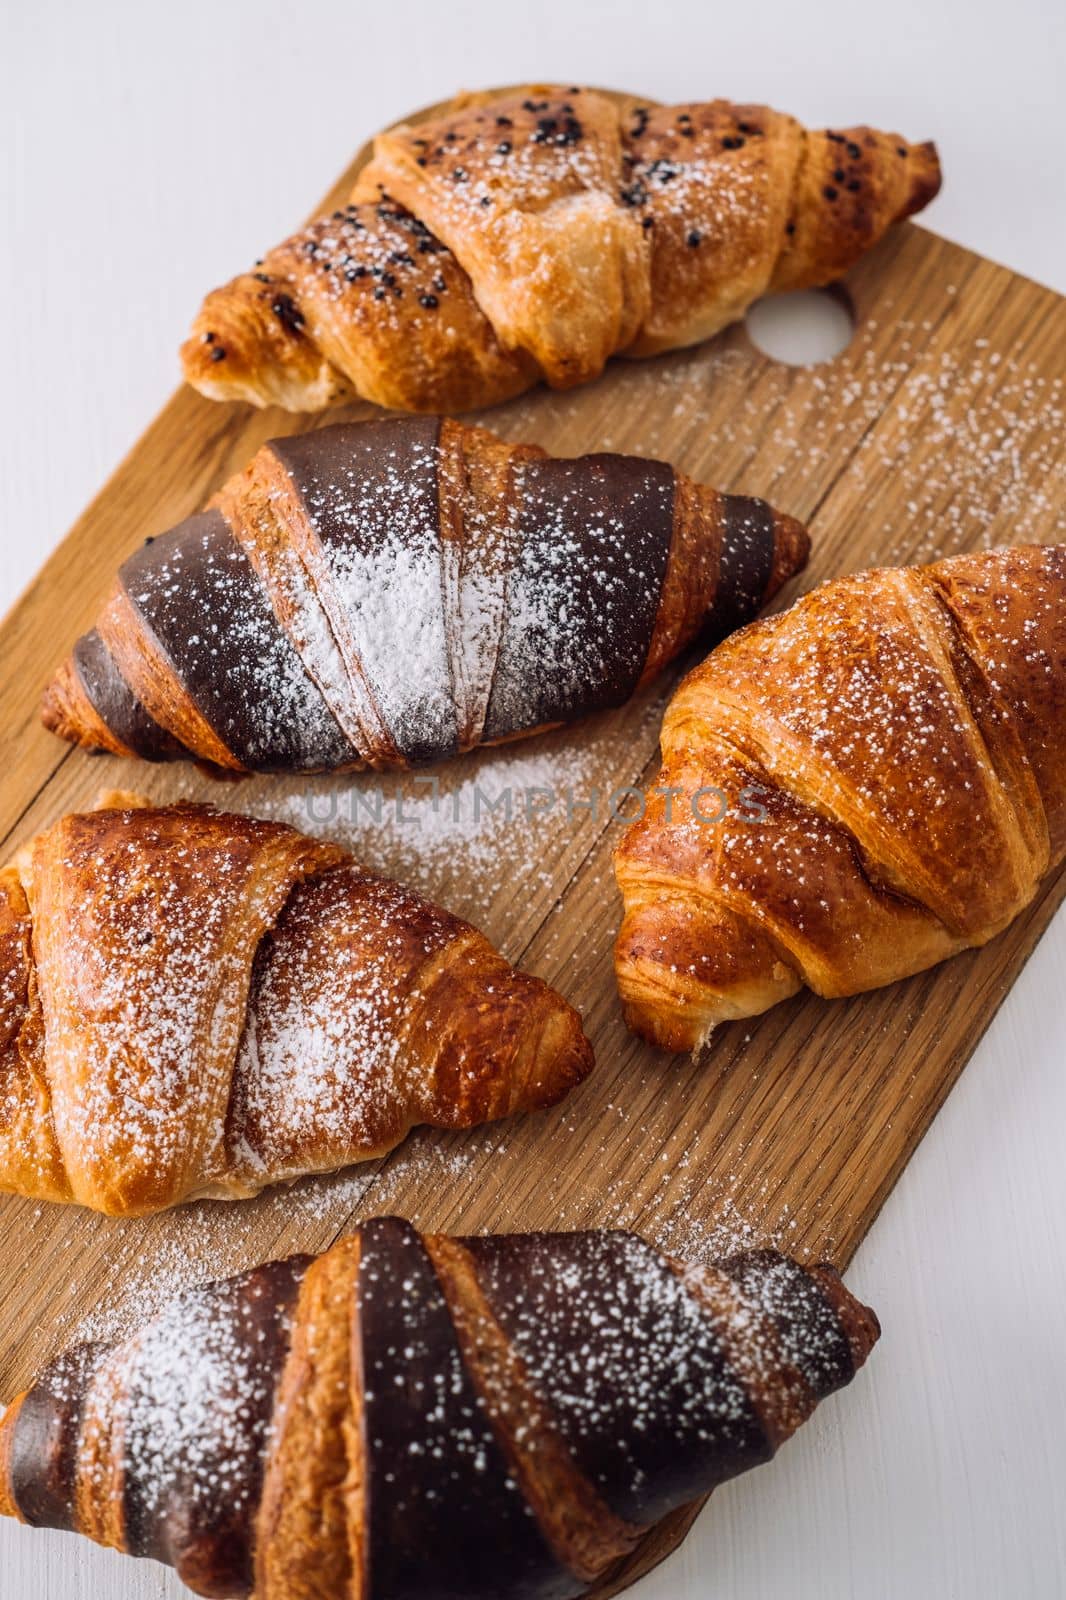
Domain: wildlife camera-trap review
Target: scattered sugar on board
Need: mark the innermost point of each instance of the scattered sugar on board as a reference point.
(199, 1402)
(971, 435)
(695, 1222)
(493, 822)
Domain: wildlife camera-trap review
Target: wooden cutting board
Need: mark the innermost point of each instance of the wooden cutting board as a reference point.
(939, 429)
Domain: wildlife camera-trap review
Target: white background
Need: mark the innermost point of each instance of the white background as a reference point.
(150, 151)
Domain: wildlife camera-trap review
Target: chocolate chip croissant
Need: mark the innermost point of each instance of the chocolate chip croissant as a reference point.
(429, 1418)
(391, 593)
(850, 792)
(532, 234)
(197, 1004)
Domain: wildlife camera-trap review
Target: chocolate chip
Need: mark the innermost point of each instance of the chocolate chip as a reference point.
(634, 194)
(288, 313)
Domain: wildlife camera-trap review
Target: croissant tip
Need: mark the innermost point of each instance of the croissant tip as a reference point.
(8, 1508)
(200, 373)
(55, 707)
(666, 1028)
(925, 175)
(792, 551)
(574, 1059)
(860, 1322)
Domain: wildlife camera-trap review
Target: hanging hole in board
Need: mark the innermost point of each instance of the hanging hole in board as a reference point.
(804, 327)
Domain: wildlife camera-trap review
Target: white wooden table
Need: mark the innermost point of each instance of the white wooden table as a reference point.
(149, 152)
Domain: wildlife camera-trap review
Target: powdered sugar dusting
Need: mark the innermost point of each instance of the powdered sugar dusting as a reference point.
(199, 596)
(613, 1338)
(199, 1405)
(147, 994)
(326, 1073)
(525, 153)
(471, 828)
(382, 546)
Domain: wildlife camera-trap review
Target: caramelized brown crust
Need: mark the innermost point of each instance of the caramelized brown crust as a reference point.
(422, 1418)
(532, 235)
(308, 1528)
(391, 593)
(891, 751)
(200, 1004)
(27, 1128)
(556, 263)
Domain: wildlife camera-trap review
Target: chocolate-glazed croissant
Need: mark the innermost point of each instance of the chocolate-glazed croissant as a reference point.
(196, 1004)
(531, 235)
(429, 1418)
(392, 593)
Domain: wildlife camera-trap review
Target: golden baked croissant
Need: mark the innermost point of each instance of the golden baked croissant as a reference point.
(891, 753)
(196, 1004)
(429, 1418)
(389, 593)
(531, 235)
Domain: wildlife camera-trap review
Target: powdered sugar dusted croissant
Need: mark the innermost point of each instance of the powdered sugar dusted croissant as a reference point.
(532, 234)
(429, 1418)
(391, 593)
(903, 734)
(199, 1004)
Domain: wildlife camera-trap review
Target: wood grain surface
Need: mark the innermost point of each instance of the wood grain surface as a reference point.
(939, 429)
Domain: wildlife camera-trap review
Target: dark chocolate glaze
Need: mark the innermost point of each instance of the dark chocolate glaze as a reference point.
(44, 1449)
(594, 539)
(628, 1362)
(200, 600)
(746, 564)
(371, 493)
(116, 704)
(812, 1338)
(591, 539)
(448, 1520)
(201, 1397)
